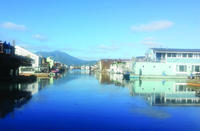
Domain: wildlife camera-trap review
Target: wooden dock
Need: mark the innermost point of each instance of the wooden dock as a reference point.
(36, 74)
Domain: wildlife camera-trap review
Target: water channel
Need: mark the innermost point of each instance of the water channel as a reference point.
(84, 101)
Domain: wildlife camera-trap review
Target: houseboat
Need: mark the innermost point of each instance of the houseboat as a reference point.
(167, 63)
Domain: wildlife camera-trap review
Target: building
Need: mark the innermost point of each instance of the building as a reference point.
(113, 65)
(88, 67)
(10, 62)
(168, 62)
(117, 67)
(6, 48)
(36, 60)
(104, 64)
(121, 66)
(50, 61)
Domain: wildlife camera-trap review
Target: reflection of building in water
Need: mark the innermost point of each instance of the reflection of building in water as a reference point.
(43, 82)
(107, 78)
(51, 80)
(16, 95)
(165, 92)
(85, 72)
(32, 88)
(103, 78)
(11, 96)
(116, 78)
(36, 86)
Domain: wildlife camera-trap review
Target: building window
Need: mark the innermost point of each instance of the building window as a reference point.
(181, 68)
(179, 55)
(184, 55)
(173, 54)
(169, 54)
(196, 55)
(190, 55)
(33, 61)
(196, 68)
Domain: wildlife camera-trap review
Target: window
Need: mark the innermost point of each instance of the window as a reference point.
(181, 68)
(196, 55)
(173, 54)
(33, 61)
(179, 55)
(196, 68)
(190, 55)
(184, 55)
(27, 69)
(169, 54)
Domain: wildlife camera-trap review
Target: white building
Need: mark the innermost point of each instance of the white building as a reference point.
(87, 67)
(36, 60)
(121, 67)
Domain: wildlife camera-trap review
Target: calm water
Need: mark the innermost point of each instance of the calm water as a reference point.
(94, 102)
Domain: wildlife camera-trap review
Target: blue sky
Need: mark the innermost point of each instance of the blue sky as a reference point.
(95, 29)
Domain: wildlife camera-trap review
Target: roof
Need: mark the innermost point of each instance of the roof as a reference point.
(175, 50)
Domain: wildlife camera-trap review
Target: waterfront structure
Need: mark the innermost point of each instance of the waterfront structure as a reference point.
(85, 67)
(114, 65)
(10, 62)
(45, 66)
(117, 67)
(167, 62)
(88, 67)
(36, 60)
(121, 67)
(50, 61)
(104, 64)
(71, 67)
(82, 67)
(6, 48)
(94, 67)
(35, 64)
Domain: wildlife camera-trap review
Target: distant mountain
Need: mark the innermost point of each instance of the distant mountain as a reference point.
(65, 58)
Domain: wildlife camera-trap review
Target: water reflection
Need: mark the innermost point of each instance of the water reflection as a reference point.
(14, 96)
(155, 92)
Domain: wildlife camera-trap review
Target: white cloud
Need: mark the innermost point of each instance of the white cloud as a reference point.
(153, 26)
(39, 37)
(152, 44)
(13, 26)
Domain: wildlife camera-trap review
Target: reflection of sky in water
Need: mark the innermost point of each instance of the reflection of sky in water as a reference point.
(96, 102)
(150, 112)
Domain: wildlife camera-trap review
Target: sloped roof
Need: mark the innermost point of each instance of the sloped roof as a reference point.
(175, 50)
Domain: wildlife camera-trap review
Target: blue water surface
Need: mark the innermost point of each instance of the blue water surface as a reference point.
(80, 102)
